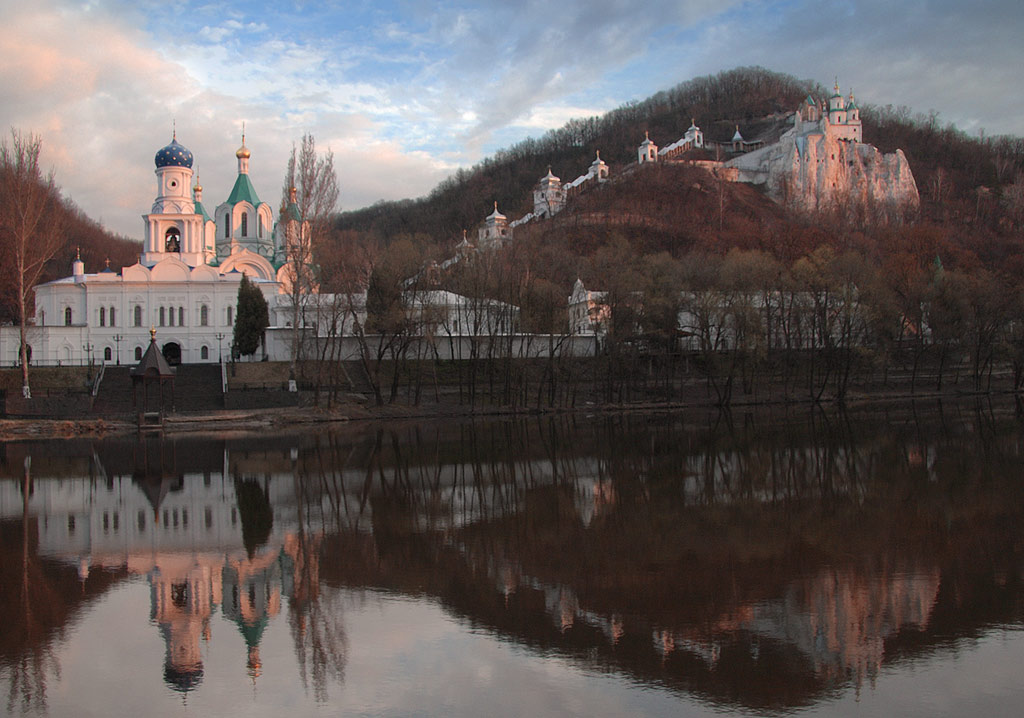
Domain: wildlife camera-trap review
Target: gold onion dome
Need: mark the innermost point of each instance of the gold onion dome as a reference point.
(243, 151)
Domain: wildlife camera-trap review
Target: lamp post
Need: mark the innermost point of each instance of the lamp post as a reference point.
(117, 343)
(220, 336)
(87, 347)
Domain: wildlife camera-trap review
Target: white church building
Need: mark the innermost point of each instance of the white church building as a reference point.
(185, 284)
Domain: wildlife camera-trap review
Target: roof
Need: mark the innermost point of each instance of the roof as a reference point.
(173, 155)
(201, 210)
(152, 364)
(243, 191)
(496, 215)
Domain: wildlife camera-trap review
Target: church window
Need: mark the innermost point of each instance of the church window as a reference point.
(103, 316)
(141, 520)
(204, 352)
(163, 316)
(137, 315)
(181, 316)
(112, 323)
(259, 226)
(42, 318)
(170, 320)
(138, 353)
(245, 224)
(227, 226)
(107, 354)
(67, 316)
(204, 316)
(231, 315)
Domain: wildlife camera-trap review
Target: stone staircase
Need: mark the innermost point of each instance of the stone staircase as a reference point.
(197, 388)
(359, 383)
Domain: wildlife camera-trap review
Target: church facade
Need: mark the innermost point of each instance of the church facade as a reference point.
(185, 284)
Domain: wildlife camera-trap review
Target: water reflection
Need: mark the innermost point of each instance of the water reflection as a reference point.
(763, 561)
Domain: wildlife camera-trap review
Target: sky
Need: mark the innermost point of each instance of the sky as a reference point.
(404, 93)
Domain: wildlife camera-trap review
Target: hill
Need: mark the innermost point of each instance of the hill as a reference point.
(739, 97)
(79, 235)
(972, 189)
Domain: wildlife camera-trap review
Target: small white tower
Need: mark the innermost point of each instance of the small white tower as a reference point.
(693, 135)
(243, 221)
(548, 197)
(836, 107)
(495, 228)
(598, 168)
(647, 151)
(78, 267)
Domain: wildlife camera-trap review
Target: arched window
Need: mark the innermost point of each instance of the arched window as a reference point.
(112, 323)
(245, 224)
(204, 352)
(138, 353)
(204, 316)
(137, 315)
(170, 319)
(42, 318)
(259, 226)
(67, 316)
(163, 316)
(181, 316)
(227, 226)
(103, 316)
(107, 354)
(172, 240)
(231, 315)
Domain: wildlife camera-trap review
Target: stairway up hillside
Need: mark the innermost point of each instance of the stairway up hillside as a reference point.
(197, 388)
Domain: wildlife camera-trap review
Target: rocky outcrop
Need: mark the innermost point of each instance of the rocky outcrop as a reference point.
(817, 171)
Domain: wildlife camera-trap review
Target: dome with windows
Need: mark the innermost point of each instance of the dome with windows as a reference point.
(174, 155)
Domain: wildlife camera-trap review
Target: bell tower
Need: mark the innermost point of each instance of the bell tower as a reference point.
(172, 225)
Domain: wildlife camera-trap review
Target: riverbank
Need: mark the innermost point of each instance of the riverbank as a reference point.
(282, 419)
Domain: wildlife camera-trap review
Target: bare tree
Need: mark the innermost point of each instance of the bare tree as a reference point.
(30, 227)
(309, 198)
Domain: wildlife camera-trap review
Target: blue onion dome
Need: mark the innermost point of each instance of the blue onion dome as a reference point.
(174, 155)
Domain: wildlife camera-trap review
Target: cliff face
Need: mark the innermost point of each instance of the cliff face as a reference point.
(816, 171)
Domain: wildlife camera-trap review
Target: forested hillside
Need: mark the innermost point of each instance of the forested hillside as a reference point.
(717, 103)
(970, 186)
(76, 233)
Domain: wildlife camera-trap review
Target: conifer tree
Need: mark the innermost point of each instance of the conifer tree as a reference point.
(253, 317)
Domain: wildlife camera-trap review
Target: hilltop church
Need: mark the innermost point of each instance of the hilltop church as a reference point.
(184, 285)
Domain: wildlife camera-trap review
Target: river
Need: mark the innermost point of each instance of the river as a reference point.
(687, 563)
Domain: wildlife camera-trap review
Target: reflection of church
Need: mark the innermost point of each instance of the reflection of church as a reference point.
(191, 535)
(185, 283)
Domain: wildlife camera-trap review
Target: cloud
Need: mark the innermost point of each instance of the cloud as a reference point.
(956, 58)
(404, 91)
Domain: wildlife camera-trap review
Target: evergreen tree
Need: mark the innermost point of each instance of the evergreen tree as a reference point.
(253, 317)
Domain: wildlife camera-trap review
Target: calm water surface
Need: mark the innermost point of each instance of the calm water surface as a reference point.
(749, 564)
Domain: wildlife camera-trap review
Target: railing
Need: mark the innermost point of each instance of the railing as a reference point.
(99, 378)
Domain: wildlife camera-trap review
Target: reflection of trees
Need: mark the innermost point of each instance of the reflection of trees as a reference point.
(758, 561)
(27, 654)
(315, 618)
(256, 514)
